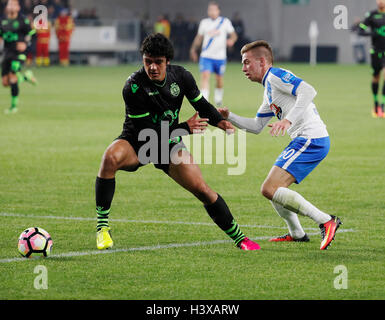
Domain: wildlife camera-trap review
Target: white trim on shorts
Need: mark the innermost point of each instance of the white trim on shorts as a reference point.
(296, 155)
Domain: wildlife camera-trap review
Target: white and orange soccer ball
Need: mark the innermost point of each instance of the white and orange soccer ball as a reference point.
(35, 242)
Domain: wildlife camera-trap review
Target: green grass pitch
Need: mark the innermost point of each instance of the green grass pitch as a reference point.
(50, 155)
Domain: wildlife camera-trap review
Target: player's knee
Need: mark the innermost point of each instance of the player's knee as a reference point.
(12, 80)
(268, 190)
(110, 161)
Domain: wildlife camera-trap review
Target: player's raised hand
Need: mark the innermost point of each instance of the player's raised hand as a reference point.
(279, 127)
(226, 126)
(224, 112)
(197, 125)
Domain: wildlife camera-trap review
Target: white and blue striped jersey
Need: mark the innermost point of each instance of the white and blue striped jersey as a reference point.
(288, 97)
(215, 34)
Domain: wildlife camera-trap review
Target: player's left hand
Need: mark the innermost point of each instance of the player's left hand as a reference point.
(226, 126)
(279, 127)
(197, 125)
(21, 46)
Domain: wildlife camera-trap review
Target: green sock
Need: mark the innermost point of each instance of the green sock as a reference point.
(102, 217)
(235, 233)
(14, 102)
(20, 77)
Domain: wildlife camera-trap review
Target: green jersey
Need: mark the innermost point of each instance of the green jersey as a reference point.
(375, 20)
(13, 31)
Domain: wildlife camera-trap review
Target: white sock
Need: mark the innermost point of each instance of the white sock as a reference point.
(294, 202)
(206, 93)
(291, 219)
(218, 96)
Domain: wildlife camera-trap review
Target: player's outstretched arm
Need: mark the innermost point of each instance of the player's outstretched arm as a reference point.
(195, 47)
(252, 125)
(363, 30)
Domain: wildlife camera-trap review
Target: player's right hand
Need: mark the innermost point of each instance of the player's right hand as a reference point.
(224, 112)
(197, 125)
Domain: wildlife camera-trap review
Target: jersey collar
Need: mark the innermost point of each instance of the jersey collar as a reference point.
(265, 76)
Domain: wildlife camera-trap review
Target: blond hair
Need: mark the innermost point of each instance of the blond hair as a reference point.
(260, 48)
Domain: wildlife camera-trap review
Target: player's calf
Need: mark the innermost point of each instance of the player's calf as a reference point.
(221, 215)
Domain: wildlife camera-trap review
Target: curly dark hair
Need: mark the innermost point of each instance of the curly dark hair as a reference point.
(157, 45)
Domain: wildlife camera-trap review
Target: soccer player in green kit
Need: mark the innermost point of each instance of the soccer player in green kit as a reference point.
(375, 21)
(153, 97)
(15, 30)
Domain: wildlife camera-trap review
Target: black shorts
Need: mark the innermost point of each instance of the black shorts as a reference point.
(377, 59)
(173, 146)
(12, 63)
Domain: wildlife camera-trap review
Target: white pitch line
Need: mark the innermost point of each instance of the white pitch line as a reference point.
(6, 214)
(145, 248)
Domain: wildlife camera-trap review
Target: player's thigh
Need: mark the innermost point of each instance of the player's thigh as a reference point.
(188, 174)
(219, 69)
(12, 78)
(5, 71)
(120, 155)
(219, 81)
(276, 178)
(205, 77)
(376, 64)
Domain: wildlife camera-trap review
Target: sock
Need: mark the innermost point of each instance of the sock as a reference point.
(218, 96)
(46, 61)
(294, 202)
(291, 219)
(39, 61)
(20, 77)
(104, 192)
(206, 93)
(14, 95)
(375, 86)
(221, 215)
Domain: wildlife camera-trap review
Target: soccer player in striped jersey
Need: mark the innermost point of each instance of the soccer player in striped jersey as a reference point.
(289, 98)
(215, 33)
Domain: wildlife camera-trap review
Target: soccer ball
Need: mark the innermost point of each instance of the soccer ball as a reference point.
(35, 242)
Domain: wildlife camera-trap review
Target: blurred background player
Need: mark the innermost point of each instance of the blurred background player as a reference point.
(289, 98)
(64, 26)
(42, 45)
(15, 30)
(375, 20)
(215, 33)
(162, 25)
